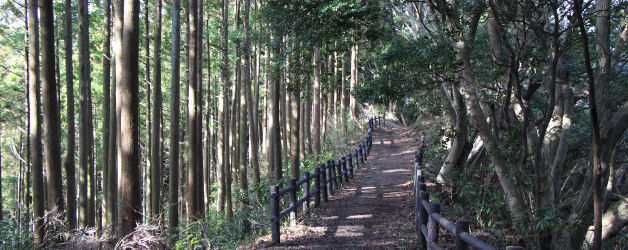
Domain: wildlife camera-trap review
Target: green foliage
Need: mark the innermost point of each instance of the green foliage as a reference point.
(14, 235)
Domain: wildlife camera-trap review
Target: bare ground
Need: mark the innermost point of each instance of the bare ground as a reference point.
(372, 211)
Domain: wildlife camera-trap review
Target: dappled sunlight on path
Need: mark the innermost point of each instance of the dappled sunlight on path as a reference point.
(373, 210)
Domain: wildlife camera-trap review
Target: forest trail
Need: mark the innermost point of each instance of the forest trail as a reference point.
(372, 211)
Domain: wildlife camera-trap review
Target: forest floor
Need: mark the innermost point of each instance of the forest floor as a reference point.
(372, 211)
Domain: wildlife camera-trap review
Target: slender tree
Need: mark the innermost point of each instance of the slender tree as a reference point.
(34, 110)
(251, 103)
(155, 173)
(223, 140)
(597, 197)
(245, 92)
(275, 137)
(83, 110)
(128, 130)
(70, 153)
(354, 81)
(317, 102)
(52, 123)
(173, 190)
(194, 212)
(344, 94)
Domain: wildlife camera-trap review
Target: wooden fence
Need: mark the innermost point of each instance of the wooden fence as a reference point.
(428, 217)
(327, 177)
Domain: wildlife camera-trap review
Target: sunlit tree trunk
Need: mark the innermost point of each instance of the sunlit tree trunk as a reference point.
(316, 97)
(34, 111)
(127, 103)
(344, 94)
(194, 211)
(223, 137)
(354, 82)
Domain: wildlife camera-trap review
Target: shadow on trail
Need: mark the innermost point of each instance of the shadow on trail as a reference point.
(373, 210)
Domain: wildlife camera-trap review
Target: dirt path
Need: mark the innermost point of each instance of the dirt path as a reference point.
(372, 211)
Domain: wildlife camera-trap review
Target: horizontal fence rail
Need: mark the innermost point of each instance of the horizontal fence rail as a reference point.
(429, 220)
(326, 178)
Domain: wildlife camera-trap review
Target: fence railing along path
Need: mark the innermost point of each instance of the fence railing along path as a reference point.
(428, 218)
(326, 178)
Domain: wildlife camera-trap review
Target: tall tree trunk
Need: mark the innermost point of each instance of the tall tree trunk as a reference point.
(173, 188)
(267, 112)
(354, 82)
(245, 105)
(127, 103)
(235, 121)
(345, 95)
(604, 64)
(83, 110)
(253, 102)
(307, 132)
(52, 123)
(34, 110)
(115, 171)
(249, 142)
(194, 211)
(69, 80)
(294, 131)
(155, 171)
(275, 137)
(199, 108)
(208, 135)
(223, 137)
(145, 172)
(317, 102)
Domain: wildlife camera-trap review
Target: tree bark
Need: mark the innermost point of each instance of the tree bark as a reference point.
(250, 106)
(155, 171)
(127, 103)
(354, 82)
(275, 137)
(52, 123)
(194, 210)
(345, 95)
(223, 137)
(317, 102)
(34, 110)
(173, 188)
(69, 80)
(83, 111)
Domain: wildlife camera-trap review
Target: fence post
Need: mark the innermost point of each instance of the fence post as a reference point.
(274, 211)
(461, 226)
(350, 159)
(306, 192)
(317, 186)
(339, 169)
(348, 166)
(363, 147)
(357, 156)
(423, 195)
(323, 185)
(432, 225)
(293, 202)
(343, 163)
(420, 187)
(330, 179)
